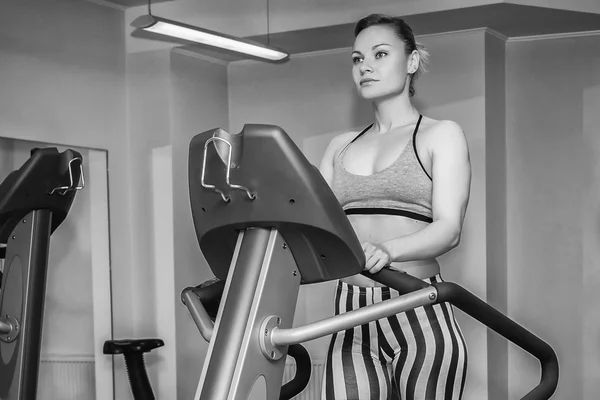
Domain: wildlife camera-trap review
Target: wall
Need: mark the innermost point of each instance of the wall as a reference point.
(591, 230)
(62, 81)
(148, 127)
(495, 169)
(552, 206)
(6, 158)
(69, 82)
(171, 98)
(454, 88)
(320, 100)
(317, 88)
(199, 103)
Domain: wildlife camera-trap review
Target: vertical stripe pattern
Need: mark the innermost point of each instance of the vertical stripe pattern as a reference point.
(416, 355)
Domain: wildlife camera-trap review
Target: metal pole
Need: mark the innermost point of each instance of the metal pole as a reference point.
(198, 313)
(351, 319)
(5, 328)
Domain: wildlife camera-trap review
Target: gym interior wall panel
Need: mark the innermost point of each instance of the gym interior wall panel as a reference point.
(199, 102)
(454, 89)
(164, 290)
(62, 81)
(65, 86)
(591, 230)
(312, 97)
(171, 98)
(6, 158)
(495, 167)
(99, 228)
(62, 71)
(552, 144)
(148, 124)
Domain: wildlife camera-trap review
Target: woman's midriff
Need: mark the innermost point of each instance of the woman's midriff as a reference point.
(380, 228)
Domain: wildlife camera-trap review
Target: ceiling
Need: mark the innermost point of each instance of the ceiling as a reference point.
(300, 26)
(133, 3)
(510, 20)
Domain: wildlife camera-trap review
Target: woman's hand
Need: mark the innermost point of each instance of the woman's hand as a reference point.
(376, 257)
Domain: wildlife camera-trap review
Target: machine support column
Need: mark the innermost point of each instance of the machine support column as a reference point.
(22, 305)
(263, 281)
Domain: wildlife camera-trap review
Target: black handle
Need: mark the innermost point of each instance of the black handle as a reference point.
(303, 370)
(487, 315)
(509, 329)
(210, 294)
(400, 281)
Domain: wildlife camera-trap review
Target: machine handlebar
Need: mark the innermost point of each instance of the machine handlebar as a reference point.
(490, 317)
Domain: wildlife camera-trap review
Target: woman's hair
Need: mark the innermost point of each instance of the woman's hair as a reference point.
(405, 33)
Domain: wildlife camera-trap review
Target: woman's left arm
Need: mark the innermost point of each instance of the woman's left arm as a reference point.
(451, 173)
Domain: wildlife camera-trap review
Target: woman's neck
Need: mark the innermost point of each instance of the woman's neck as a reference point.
(393, 112)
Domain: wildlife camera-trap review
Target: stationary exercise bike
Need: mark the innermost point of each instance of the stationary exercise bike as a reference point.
(34, 201)
(267, 222)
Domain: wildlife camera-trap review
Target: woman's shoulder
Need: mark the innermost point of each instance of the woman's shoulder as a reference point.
(439, 126)
(434, 130)
(345, 136)
(342, 139)
(442, 136)
(336, 144)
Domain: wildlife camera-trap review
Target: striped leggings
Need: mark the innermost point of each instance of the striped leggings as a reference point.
(419, 354)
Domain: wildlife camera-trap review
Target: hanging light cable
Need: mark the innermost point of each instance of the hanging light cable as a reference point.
(163, 26)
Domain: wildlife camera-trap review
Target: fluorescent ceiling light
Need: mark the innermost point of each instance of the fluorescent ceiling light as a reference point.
(178, 30)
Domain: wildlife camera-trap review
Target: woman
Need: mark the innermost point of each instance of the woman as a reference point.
(404, 182)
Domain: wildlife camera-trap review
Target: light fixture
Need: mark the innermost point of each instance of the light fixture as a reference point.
(191, 33)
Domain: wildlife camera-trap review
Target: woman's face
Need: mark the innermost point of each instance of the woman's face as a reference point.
(380, 63)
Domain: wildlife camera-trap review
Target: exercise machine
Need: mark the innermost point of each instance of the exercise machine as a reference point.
(34, 201)
(267, 222)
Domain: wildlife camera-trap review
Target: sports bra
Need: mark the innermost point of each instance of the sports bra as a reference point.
(403, 188)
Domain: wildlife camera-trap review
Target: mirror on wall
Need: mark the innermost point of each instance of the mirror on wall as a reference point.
(77, 307)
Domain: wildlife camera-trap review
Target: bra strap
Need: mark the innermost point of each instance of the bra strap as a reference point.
(352, 141)
(362, 133)
(415, 147)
